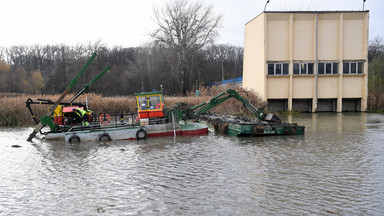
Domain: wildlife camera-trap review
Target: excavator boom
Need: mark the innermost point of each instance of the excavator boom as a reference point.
(230, 93)
(267, 124)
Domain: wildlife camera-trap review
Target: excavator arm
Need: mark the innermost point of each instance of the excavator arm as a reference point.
(230, 93)
(205, 106)
(45, 101)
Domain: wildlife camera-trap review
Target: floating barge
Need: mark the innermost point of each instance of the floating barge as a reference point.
(124, 131)
(242, 126)
(151, 120)
(73, 122)
(251, 129)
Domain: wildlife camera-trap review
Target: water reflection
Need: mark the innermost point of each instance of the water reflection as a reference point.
(335, 168)
(338, 122)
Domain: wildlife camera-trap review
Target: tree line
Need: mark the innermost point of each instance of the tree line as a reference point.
(376, 74)
(181, 57)
(48, 69)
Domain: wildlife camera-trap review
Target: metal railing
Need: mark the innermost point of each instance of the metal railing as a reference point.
(104, 120)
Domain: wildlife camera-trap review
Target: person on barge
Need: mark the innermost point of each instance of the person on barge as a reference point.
(83, 115)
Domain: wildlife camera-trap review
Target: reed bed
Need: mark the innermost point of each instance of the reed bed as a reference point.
(13, 111)
(376, 101)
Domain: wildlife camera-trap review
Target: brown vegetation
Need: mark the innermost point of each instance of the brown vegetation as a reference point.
(376, 101)
(14, 113)
(376, 75)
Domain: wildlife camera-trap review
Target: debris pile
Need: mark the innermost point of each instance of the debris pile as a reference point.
(220, 122)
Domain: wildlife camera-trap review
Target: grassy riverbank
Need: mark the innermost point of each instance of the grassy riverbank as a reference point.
(13, 111)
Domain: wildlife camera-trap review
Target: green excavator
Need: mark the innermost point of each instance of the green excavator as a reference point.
(264, 124)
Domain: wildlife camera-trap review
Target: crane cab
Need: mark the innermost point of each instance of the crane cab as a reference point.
(150, 105)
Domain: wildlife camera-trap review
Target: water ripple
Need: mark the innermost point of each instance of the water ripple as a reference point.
(335, 169)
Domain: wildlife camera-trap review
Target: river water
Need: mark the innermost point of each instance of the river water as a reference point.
(336, 168)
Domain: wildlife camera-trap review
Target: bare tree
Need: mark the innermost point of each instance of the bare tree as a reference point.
(48, 68)
(185, 26)
(375, 48)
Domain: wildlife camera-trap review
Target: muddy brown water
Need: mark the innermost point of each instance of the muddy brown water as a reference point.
(336, 168)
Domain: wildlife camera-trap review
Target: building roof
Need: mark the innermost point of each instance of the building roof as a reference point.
(310, 12)
(148, 93)
(358, 11)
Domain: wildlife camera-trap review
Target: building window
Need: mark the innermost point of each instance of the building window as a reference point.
(303, 68)
(328, 68)
(278, 69)
(353, 67)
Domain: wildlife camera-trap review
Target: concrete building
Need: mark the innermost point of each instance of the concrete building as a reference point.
(310, 61)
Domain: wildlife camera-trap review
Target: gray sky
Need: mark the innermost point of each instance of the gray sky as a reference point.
(127, 22)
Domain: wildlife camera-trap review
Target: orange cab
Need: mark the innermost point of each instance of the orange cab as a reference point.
(150, 105)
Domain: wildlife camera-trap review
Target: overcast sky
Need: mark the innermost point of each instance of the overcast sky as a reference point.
(127, 22)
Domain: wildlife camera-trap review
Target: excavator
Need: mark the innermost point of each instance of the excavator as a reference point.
(265, 123)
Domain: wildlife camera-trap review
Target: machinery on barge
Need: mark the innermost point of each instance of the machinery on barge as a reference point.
(264, 124)
(151, 119)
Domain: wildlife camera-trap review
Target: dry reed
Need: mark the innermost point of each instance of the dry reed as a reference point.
(376, 101)
(13, 111)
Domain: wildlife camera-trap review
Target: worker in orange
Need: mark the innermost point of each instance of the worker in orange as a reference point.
(159, 105)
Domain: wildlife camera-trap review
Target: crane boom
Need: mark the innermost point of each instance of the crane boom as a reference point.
(73, 82)
(86, 86)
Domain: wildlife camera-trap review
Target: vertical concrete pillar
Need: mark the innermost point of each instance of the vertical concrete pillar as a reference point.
(340, 48)
(314, 100)
(364, 99)
(340, 94)
(290, 50)
(265, 33)
(315, 78)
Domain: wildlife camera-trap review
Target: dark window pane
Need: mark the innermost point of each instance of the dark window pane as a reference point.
(360, 67)
(296, 68)
(143, 103)
(285, 68)
(320, 68)
(328, 69)
(303, 68)
(278, 69)
(335, 68)
(310, 68)
(353, 67)
(346, 68)
(270, 69)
